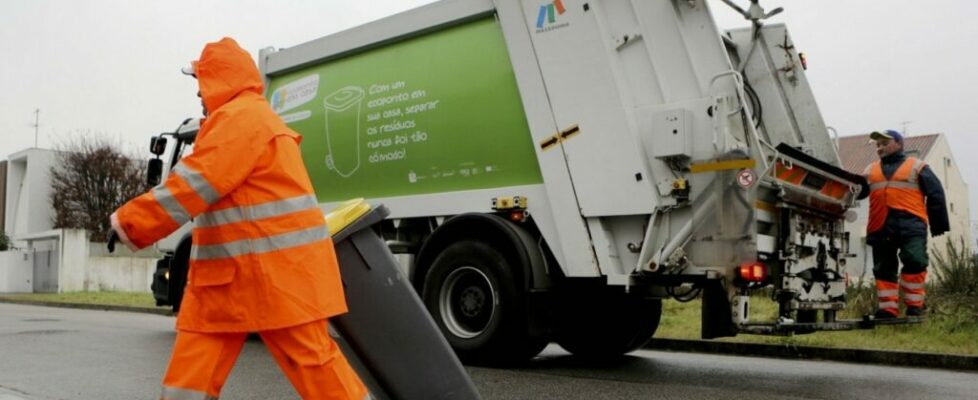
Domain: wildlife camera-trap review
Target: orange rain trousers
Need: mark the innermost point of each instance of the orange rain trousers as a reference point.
(310, 358)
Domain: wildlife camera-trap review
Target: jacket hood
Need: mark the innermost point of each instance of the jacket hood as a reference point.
(224, 71)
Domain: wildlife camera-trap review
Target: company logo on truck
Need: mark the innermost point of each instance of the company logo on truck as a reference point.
(547, 18)
(295, 94)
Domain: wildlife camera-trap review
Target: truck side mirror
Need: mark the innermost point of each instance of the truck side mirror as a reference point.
(154, 171)
(157, 145)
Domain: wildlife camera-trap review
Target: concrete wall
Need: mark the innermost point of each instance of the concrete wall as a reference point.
(16, 272)
(941, 161)
(76, 265)
(88, 266)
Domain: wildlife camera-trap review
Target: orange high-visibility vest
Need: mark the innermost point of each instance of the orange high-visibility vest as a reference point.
(900, 192)
(262, 257)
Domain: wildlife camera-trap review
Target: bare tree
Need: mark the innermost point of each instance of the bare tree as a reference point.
(92, 178)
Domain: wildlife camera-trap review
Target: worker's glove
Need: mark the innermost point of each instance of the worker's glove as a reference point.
(114, 237)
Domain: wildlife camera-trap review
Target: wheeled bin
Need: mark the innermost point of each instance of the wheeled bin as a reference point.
(388, 334)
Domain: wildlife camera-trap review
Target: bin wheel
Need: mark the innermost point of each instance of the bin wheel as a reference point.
(606, 324)
(477, 304)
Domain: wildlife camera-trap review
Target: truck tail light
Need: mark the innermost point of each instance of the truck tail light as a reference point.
(752, 271)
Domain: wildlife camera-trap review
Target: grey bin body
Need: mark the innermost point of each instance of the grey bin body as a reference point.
(388, 334)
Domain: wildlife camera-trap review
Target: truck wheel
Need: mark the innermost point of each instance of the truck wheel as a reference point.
(606, 324)
(471, 293)
(178, 274)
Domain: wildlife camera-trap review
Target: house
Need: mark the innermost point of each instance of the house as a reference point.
(28, 182)
(3, 194)
(47, 259)
(858, 152)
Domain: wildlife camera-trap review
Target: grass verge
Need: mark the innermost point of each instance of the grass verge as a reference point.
(951, 328)
(127, 299)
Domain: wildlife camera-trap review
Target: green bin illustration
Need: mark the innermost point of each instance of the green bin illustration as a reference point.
(343, 130)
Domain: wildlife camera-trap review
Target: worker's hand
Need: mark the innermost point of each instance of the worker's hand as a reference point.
(114, 237)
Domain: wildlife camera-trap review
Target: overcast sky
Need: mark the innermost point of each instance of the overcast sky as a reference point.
(112, 66)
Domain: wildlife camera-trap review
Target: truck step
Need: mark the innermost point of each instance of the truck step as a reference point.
(790, 327)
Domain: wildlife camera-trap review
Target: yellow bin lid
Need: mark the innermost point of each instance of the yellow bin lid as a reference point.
(345, 213)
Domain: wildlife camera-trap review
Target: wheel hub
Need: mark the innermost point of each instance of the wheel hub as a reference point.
(472, 299)
(467, 302)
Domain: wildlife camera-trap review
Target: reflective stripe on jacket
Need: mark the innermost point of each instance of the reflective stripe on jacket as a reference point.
(900, 192)
(262, 257)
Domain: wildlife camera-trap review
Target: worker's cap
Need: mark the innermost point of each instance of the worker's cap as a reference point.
(191, 69)
(888, 134)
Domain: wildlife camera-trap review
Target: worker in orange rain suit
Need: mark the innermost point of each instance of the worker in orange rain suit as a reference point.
(262, 259)
(905, 197)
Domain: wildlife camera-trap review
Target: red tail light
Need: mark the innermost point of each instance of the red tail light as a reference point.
(517, 215)
(752, 271)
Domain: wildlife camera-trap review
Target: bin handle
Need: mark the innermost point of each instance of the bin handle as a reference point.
(345, 213)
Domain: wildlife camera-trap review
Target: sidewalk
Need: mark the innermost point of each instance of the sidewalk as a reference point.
(860, 356)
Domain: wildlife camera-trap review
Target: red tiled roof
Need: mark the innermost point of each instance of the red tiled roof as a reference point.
(859, 151)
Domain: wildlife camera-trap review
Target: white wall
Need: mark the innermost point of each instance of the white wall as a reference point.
(89, 267)
(941, 161)
(123, 274)
(16, 272)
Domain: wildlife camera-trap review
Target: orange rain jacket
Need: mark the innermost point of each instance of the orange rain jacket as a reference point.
(262, 257)
(900, 192)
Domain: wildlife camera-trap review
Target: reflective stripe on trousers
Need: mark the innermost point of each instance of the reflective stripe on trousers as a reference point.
(914, 289)
(888, 294)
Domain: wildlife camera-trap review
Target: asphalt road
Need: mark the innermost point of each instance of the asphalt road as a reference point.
(57, 353)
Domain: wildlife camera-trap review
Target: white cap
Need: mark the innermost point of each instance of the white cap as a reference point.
(190, 70)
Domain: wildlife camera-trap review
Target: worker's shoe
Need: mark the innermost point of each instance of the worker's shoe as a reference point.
(883, 314)
(916, 311)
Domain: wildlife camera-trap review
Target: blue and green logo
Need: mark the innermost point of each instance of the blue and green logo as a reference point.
(549, 12)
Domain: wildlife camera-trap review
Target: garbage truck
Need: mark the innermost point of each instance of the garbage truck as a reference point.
(555, 169)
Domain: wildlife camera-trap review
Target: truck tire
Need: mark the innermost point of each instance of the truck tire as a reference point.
(178, 274)
(606, 324)
(473, 295)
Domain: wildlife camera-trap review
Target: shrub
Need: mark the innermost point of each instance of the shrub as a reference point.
(956, 271)
(4, 241)
(953, 294)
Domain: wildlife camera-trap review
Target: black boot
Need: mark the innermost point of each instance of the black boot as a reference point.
(915, 311)
(883, 314)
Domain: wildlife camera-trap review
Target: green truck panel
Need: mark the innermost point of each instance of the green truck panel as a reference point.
(436, 113)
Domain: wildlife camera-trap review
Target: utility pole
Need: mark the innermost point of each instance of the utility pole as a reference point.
(904, 127)
(37, 117)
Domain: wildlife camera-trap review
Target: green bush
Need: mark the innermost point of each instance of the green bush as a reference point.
(953, 294)
(4, 241)
(956, 271)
